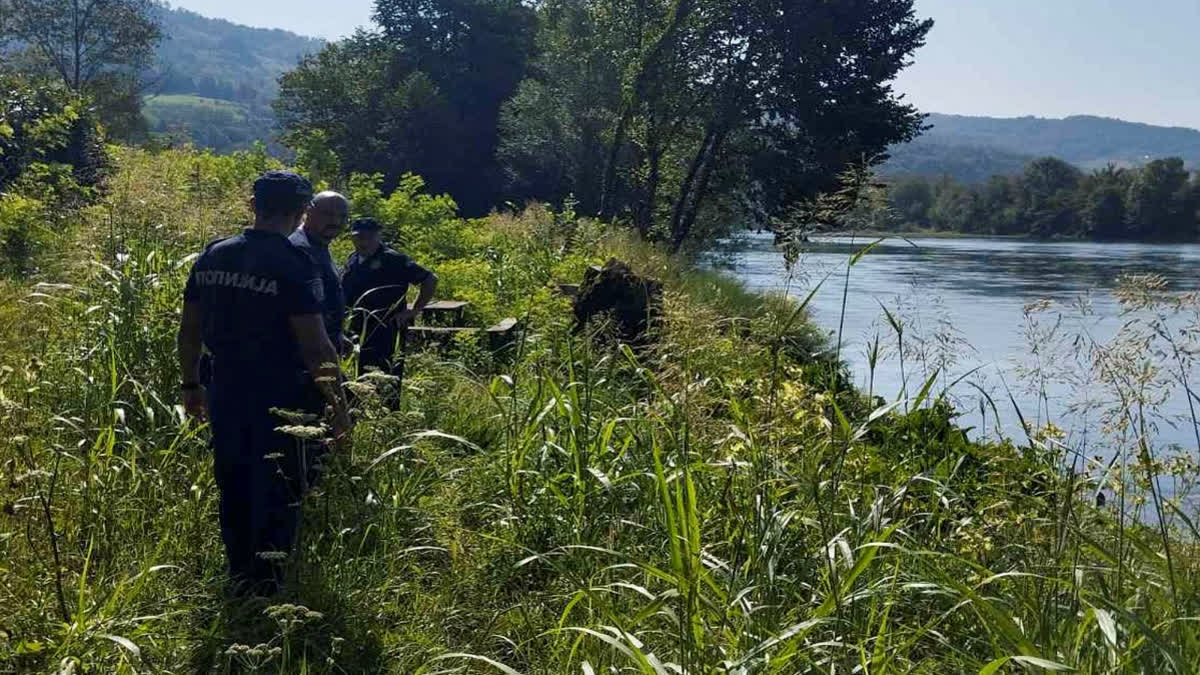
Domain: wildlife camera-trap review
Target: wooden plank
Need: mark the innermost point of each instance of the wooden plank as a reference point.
(504, 326)
(441, 330)
(446, 305)
(445, 312)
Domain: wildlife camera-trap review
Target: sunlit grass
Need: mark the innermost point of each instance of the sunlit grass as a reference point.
(707, 504)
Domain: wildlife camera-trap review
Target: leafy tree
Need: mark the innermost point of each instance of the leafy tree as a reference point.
(420, 95)
(954, 206)
(998, 206)
(1103, 203)
(911, 199)
(715, 106)
(43, 123)
(1159, 201)
(1047, 189)
(95, 47)
(539, 147)
(1051, 198)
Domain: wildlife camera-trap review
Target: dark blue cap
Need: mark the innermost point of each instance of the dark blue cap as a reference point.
(365, 225)
(279, 192)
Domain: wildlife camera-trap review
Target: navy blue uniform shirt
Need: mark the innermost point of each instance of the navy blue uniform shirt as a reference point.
(335, 302)
(379, 283)
(248, 287)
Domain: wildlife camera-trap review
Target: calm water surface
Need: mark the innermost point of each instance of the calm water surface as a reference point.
(965, 299)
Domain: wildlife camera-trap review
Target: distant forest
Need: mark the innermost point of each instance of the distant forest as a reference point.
(214, 81)
(1050, 199)
(216, 59)
(1083, 140)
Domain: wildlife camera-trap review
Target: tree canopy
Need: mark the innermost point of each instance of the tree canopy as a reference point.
(1051, 198)
(680, 116)
(421, 94)
(100, 48)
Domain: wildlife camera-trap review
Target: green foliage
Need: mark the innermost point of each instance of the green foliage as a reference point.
(422, 95)
(636, 110)
(215, 80)
(696, 135)
(207, 123)
(21, 236)
(35, 124)
(317, 161)
(706, 504)
(51, 163)
(98, 50)
(1051, 198)
(424, 225)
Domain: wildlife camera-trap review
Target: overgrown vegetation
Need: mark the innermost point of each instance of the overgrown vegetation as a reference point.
(719, 502)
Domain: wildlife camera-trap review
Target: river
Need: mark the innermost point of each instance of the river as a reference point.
(962, 305)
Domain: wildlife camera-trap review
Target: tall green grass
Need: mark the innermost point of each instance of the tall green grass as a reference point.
(719, 502)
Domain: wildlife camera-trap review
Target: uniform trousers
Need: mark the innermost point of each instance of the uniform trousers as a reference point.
(262, 474)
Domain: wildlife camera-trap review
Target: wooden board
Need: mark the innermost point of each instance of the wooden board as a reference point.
(446, 305)
(504, 326)
(445, 312)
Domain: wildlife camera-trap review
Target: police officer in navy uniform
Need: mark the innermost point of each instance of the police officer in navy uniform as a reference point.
(326, 219)
(376, 280)
(254, 301)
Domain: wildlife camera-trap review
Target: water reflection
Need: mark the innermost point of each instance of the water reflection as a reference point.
(1058, 271)
(968, 295)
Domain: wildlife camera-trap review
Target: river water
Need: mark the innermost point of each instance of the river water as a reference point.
(964, 306)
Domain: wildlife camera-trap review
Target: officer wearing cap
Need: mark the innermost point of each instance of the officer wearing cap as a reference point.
(325, 220)
(254, 301)
(376, 280)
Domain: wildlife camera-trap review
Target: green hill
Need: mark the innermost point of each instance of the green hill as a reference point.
(931, 158)
(208, 122)
(973, 148)
(1088, 141)
(215, 80)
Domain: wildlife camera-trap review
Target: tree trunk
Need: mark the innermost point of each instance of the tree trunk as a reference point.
(77, 39)
(694, 190)
(607, 206)
(654, 151)
(641, 80)
(685, 190)
(701, 192)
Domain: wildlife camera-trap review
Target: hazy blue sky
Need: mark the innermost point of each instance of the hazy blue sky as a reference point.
(1133, 60)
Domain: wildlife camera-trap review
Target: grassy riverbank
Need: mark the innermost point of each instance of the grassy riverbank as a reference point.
(718, 502)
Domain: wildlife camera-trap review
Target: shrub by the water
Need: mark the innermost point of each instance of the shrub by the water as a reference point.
(704, 504)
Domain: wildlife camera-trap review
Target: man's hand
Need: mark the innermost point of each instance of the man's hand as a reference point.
(342, 427)
(194, 403)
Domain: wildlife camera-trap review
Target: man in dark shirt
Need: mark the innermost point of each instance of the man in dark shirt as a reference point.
(376, 281)
(254, 301)
(325, 221)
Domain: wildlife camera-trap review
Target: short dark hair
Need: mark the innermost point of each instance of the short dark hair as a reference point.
(281, 193)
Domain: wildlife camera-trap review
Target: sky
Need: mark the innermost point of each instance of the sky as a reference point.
(1002, 58)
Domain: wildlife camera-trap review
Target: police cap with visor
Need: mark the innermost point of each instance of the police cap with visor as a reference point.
(282, 192)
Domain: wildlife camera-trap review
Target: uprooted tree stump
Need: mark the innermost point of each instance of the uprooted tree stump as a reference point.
(631, 302)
